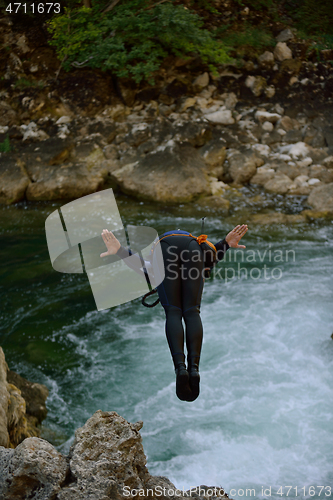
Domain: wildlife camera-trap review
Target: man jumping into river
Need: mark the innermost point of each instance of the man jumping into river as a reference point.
(187, 261)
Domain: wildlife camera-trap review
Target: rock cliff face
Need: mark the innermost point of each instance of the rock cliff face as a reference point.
(192, 138)
(106, 460)
(22, 406)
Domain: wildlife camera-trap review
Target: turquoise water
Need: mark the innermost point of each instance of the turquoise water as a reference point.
(264, 415)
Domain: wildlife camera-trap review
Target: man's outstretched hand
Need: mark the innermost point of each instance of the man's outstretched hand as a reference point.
(235, 235)
(111, 243)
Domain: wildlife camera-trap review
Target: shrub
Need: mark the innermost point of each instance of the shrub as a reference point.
(5, 145)
(256, 38)
(132, 40)
(22, 83)
(315, 17)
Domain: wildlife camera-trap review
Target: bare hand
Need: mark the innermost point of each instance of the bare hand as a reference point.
(235, 235)
(111, 243)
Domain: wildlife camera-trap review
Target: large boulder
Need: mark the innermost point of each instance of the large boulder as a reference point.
(163, 130)
(35, 469)
(328, 162)
(297, 151)
(201, 81)
(285, 35)
(34, 395)
(318, 155)
(321, 173)
(174, 174)
(139, 133)
(19, 418)
(105, 461)
(102, 126)
(266, 59)
(106, 455)
(241, 167)
(65, 182)
(17, 422)
(314, 136)
(321, 197)
(230, 100)
(195, 133)
(7, 114)
(291, 170)
(214, 154)
(265, 116)
(293, 136)
(279, 184)
(270, 138)
(188, 103)
(32, 133)
(68, 180)
(4, 400)
(222, 116)
(288, 123)
(215, 203)
(263, 175)
(277, 218)
(257, 84)
(282, 51)
(14, 180)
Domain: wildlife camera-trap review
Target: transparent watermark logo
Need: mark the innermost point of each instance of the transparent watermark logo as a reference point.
(75, 244)
(173, 492)
(249, 264)
(246, 264)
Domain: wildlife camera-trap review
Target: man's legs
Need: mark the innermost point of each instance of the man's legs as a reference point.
(180, 295)
(169, 292)
(192, 287)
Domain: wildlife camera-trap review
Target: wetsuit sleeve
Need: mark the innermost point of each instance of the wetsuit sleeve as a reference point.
(221, 248)
(136, 263)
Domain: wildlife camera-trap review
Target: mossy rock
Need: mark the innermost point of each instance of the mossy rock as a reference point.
(311, 215)
(277, 218)
(216, 203)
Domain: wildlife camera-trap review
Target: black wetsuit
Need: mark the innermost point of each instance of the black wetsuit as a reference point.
(181, 290)
(180, 293)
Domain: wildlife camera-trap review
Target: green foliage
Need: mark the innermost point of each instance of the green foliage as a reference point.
(256, 4)
(132, 40)
(255, 38)
(22, 83)
(5, 145)
(313, 16)
(318, 43)
(206, 5)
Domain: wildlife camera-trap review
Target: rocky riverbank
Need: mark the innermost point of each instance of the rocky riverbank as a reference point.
(22, 406)
(106, 460)
(218, 142)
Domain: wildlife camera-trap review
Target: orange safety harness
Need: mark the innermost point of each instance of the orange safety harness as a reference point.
(200, 239)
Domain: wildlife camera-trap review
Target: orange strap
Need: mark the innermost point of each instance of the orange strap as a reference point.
(203, 239)
(200, 239)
